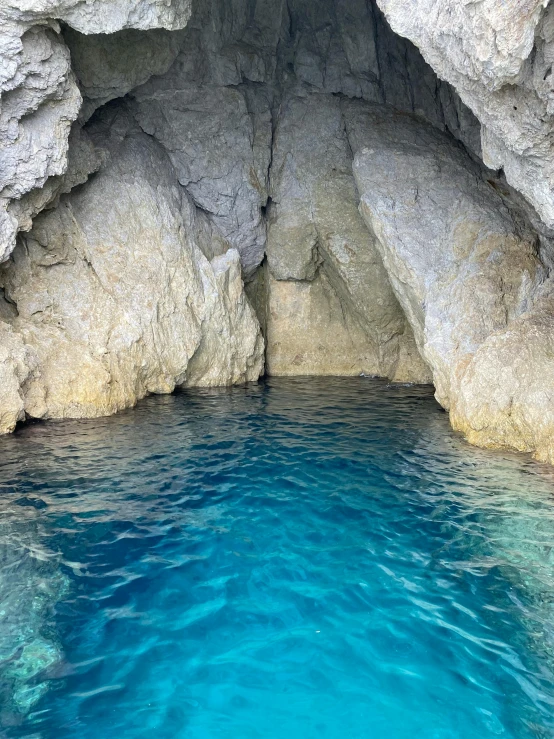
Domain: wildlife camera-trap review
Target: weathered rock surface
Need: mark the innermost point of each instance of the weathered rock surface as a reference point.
(106, 64)
(40, 100)
(498, 56)
(331, 308)
(208, 133)
(114, 299)
(39, 95)
(506, 395)
(467, 273)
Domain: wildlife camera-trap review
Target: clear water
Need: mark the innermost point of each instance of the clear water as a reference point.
(300, 558)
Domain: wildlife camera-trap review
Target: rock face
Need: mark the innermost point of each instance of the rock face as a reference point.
(498, 56)
(155, 154)
(117, 302)
(468, 274)
(39, 94)
(331, 309)
(505, 396)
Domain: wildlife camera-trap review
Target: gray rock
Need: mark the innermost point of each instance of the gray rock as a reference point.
(106, 64)
(498, 56)
(39, 95)
(209, 134)
(467, 273)
(114, 298)
(342, 316)
(505, 395)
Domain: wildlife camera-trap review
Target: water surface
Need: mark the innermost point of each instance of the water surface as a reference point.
(299, 558)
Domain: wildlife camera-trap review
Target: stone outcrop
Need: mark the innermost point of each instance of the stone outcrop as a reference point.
(468, 273)
(498, 57)
(114, 298)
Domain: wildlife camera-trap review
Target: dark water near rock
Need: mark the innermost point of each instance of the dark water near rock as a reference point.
(300, 558)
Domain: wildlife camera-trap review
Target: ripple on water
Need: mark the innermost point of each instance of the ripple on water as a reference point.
(299, 558)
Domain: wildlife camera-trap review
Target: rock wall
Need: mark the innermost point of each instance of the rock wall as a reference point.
(498, 57)
(110, 303)
(468, 273)
(155, 155)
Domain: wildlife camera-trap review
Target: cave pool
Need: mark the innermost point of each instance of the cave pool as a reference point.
(291, 559)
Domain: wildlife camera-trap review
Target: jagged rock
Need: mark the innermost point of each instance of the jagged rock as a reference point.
(40, 98)
(337, 313)
(498, 56)
(114, 298)
(466, 270)
(16, 365)
(106, 64)
(346, 47)
(231, 348)
(99, 16)
(208, 133)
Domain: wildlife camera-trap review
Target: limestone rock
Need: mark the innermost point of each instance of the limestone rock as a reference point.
(115, 299)
(39, 96)
(506, 395)
(231, 349)
(209, 134)
(107, 65)
(498, 56)
(466, 271)
(40, 100)
(101, 16)
(16, 365)
(331, 306)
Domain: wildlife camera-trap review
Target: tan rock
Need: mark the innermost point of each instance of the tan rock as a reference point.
(506, 394)
(331, 306)
(115, 299)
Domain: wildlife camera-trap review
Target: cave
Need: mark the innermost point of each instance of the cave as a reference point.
(201, 195)
(266, 268)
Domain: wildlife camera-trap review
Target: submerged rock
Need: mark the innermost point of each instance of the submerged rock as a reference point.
(31, 585)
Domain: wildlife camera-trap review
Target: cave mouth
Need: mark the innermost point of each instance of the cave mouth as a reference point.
(241, 119)
(267, 187)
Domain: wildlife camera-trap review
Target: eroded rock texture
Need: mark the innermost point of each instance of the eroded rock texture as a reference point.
(157, 154)
(468, 273)
(331, 309)
(117, 302)
(498, 56)
(39, 95)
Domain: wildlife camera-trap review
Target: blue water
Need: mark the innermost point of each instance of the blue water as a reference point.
(299, 558)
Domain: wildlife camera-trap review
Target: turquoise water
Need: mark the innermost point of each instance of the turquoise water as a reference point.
(299, 558)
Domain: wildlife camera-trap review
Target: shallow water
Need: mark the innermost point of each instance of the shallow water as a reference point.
(299, 558)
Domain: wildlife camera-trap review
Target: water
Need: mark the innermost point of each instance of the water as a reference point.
(300, 558)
